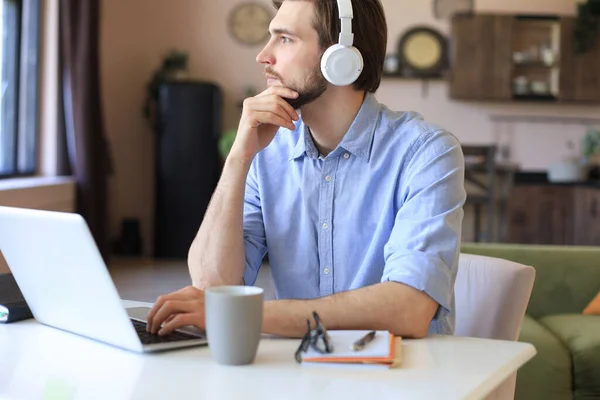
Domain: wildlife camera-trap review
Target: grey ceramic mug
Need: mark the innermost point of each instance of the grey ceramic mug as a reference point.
(234, 317)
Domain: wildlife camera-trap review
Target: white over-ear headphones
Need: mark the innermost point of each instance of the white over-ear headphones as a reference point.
(342, 63)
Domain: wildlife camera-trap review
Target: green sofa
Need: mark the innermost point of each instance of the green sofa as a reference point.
(567, 364)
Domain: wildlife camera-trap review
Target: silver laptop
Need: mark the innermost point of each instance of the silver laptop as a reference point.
(66, 284)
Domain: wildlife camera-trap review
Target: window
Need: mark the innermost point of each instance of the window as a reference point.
(19, 25)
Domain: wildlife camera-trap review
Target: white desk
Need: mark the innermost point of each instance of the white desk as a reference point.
(40, 362)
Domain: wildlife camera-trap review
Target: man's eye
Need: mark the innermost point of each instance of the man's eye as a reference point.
(286, 39)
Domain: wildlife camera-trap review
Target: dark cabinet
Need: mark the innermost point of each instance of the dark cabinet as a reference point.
(540, 214)
(587, 217)
(480, 57)
(188, 164)
(554, 214)
(579, 73)
(521, 57)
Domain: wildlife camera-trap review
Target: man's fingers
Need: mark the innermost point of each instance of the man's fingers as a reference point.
(285, 111)
(170, 308)
(157, 305)
(280, 91)
(178, 295)
(266, 117)
(181, 320)
(284, 92)
(188, 292)
(288, 109)
(277, 106)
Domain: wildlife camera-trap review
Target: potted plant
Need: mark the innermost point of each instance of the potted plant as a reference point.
(174, 64)
(226, 142)
(587, 25)
(591, 151)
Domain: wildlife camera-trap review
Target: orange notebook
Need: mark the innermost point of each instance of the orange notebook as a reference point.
(384, 349)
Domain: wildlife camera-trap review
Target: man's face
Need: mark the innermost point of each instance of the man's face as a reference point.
(292, 58)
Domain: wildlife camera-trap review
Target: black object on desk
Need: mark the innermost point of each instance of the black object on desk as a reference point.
(13, 306)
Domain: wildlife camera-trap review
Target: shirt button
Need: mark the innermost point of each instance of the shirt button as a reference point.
(328, 178)
(346, 156)
(326, 271)
(325, 225)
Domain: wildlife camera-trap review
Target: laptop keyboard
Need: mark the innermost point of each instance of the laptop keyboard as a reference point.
(150, 338)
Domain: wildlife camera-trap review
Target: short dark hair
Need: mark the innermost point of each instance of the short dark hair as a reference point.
(370, 35)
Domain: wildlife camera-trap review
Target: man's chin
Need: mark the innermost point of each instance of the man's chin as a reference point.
(304, 99)
(297, 103)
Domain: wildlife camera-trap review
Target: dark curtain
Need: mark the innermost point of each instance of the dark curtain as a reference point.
(84, 147)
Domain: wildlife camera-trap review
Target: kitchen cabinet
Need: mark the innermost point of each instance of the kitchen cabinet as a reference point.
(554, 214)
(579, 73)
(587, 217)
(521, 57)
(480, 57)
(540, 214)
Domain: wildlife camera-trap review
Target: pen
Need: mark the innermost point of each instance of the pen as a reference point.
(362, 342)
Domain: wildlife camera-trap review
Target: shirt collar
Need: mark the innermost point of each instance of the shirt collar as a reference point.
(304, 144)
(357, 140)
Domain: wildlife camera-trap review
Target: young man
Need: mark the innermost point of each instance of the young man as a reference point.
(358, 207)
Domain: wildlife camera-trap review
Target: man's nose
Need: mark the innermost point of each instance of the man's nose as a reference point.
(265, 56)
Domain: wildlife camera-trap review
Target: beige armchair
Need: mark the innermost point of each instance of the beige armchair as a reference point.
(491, 298)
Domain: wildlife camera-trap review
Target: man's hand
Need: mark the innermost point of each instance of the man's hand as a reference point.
(181, 308)
(262, 116)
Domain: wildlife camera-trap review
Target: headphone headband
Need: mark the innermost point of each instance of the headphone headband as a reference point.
(345, 8)
(346, 15)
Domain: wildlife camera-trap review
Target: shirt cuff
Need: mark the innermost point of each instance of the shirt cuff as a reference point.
(424, 272)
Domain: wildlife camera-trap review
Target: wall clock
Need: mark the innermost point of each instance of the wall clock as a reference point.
(423, 52)
(445, 9)
(249, 23)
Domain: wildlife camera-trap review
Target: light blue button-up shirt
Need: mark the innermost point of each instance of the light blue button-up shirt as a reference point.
(385, 205)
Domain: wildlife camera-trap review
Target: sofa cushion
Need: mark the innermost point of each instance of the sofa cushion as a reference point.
(548, 375)
(581, 335)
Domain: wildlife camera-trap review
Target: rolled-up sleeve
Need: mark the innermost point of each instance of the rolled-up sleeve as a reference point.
(255, 245)
(424, 245)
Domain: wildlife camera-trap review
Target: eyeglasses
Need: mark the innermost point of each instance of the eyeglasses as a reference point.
(317, 339)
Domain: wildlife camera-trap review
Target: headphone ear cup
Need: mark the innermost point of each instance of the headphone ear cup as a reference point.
(341, 65)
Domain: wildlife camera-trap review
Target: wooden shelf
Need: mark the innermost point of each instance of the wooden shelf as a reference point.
(494, 53)
(412, 78)
(535, 97)
(536, 64)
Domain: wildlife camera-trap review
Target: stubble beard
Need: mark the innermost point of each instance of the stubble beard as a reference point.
(311, 90)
